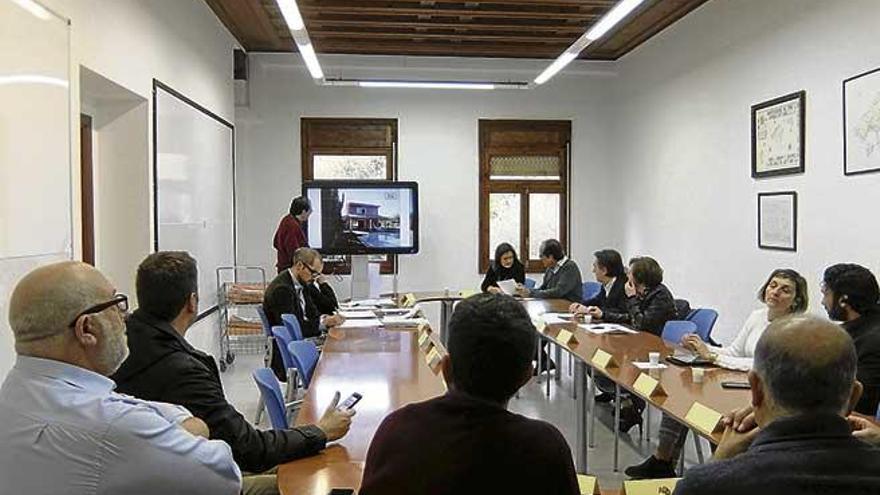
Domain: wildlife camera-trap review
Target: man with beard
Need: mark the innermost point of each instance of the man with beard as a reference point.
(164, 366)
(850, 295)
(62, 427)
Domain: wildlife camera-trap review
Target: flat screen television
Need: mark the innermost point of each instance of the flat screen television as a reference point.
(363, 217)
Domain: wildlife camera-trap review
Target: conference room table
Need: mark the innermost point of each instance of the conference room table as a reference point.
(390, 370)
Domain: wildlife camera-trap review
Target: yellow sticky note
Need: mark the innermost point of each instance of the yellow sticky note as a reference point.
(603, 360)
(648, 386)
(704, 418)
(467, 293)
(650, 487)
(587, 485)
(564, 337)
(409, 300)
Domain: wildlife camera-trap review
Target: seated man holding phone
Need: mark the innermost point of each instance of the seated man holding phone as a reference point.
(163, 366)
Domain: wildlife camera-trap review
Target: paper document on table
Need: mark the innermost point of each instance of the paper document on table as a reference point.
(396, 321)
(508, 286)
(556, 318)
(373, 302)
(600, 328)
(356, 323)
(649, 366)
(357, 314)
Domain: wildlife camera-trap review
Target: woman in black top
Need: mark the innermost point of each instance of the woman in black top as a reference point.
(505, 267)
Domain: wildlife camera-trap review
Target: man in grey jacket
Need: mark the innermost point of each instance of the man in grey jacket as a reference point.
(562, 277)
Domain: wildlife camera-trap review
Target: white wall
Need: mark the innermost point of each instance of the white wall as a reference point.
(130, 42)
(682, 146)
(438, 147)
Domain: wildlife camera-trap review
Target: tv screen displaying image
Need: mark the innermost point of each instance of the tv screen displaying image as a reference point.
(367, 217)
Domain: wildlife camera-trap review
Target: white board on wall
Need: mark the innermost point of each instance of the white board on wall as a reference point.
(35, 172)
(194, 183)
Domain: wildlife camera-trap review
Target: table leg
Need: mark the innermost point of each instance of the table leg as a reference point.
(558, 376)
(548, 368)
(581, 417)
(591, 396)
(445, 314)
(540, 358)
(616, 424)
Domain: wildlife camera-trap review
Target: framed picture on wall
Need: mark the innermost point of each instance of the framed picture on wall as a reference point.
(777, 221)
(778, 141)
(861, 123)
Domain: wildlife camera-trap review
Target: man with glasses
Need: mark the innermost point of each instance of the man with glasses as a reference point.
(63, 429)
(164, 366)
(288, 294)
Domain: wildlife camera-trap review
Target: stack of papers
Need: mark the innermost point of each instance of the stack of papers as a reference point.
(357, 314)
(397, 321)
(649, 366)
(372, 302)
(600, 328)
(508, 287)
(555, 318)
(360, 323)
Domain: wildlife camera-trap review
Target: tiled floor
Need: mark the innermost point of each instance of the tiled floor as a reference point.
(559, 410)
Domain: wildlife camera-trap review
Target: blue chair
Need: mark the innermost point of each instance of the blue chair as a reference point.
(270, 393)
(292, 325)
(305, 355)
(530, 284)
(267, 356)
(674, 330)
(282, 337)
(705, 319)
(591, 290)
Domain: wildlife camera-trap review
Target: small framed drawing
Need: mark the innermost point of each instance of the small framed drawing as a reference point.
(861, 123)
(778, 136)
(777, 221)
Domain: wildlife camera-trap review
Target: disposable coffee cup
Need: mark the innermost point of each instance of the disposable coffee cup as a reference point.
(697, 374)
(654, 358)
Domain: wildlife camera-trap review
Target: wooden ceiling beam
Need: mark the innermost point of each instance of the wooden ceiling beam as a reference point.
(607, 4)
(428, 48)
(314, 11)
(259, 30)
(366, 35)
(422, 25)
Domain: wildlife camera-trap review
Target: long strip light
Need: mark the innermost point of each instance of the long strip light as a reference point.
(425, 85)
(605, 24)
(297, 27)
(32, 79)
(34, 8)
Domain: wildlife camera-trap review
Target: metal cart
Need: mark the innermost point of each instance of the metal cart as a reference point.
(239, 292)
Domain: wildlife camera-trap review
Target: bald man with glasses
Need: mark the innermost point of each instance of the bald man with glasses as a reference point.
(62, 427)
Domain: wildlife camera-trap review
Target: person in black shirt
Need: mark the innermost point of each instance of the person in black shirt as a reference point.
(609, 271)
(505, 267)
(850, 295)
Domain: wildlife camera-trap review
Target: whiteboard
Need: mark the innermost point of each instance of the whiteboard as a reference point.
(194, 185)
(35, 127)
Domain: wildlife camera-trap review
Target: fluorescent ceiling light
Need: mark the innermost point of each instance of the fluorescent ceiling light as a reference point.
(34, 8)
(32, 79)
(425, 85)
(557, 65)
(609, 20)
(290, 12)
(311, 60)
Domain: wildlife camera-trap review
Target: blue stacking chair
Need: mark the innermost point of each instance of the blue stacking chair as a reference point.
(674, 330)
(305, 356)
(530, 284)
(267, 357)
(591, 291)
(292, 325)
(282, 337)
(270, 394)
(705, 319)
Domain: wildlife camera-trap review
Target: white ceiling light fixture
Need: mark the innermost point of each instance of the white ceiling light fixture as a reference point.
(34, 8)
(425, 85)
(32, 79)
(605, 24)
(297, 28)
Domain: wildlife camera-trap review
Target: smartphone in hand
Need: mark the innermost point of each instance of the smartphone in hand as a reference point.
(350, 401)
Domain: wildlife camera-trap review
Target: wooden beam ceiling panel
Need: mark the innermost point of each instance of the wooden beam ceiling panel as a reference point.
(450, 28)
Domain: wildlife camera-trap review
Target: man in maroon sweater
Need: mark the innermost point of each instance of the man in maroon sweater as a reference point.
(290, 235)
(466, 441)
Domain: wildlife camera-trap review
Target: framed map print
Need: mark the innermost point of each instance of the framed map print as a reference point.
(861, 123)
(778, 136)
(777, 221)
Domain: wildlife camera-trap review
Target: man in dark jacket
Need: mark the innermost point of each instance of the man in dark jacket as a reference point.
(293, 292)
(163, 366)
(803, 385)
(850, 295)
(609, 271)
(562, 277)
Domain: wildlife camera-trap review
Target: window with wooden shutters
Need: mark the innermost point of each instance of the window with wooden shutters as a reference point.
(354, 149)
(523, 186)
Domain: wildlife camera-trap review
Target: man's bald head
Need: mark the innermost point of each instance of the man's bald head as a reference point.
(47, 299)
(807, 364)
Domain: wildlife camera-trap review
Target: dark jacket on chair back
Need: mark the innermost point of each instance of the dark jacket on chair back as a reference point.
(810, 454)
(163, 366)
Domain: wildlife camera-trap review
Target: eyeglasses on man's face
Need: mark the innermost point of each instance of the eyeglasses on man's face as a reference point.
(119, 300)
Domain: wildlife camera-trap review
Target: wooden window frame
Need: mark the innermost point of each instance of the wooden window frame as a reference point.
(523, 187)
(308, 154)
